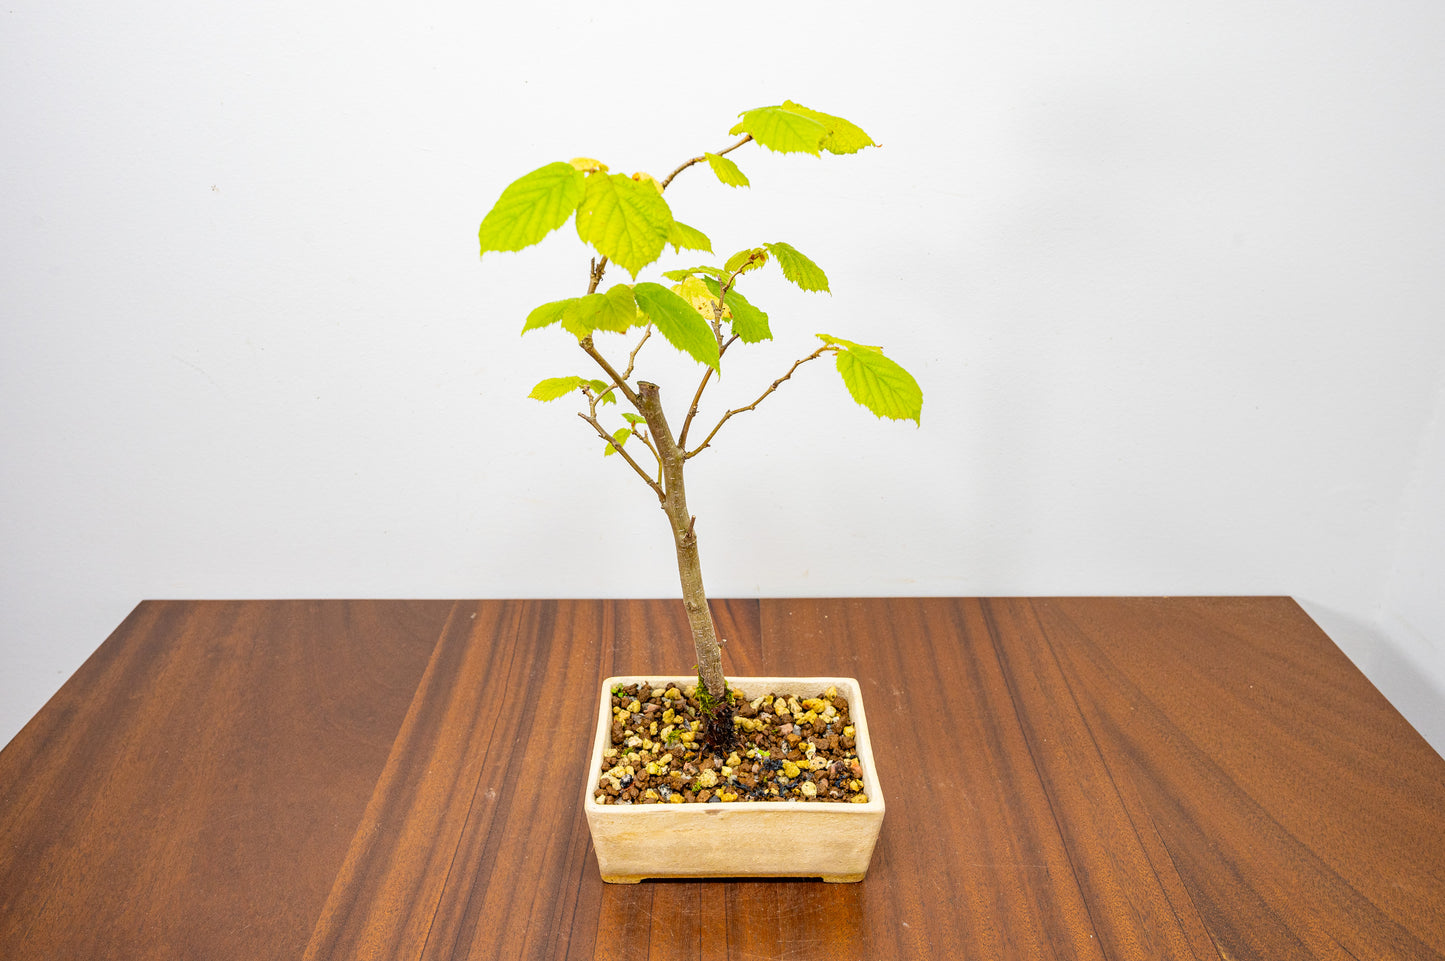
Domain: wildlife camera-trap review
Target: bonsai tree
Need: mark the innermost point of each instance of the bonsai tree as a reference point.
(627, 222)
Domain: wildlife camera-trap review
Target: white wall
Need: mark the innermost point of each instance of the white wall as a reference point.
(1169, 274)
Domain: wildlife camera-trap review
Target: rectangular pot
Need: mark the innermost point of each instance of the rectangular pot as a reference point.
(736, 839)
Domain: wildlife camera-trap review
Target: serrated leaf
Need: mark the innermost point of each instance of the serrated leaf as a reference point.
(726, 170)
(843, 136)
(578, 312)
(799, 269)
(748, 322)
(619, 440)
(618, 312)
(877, 382)
(546, 314)
(598, 386)
(682, 237)
(632, 418)
(555, 387)
(627, 221)
(692, 271)
(614, 311)
(782, 130)
(532, 207)
(746, 260)
(696, 292)
(676, 320)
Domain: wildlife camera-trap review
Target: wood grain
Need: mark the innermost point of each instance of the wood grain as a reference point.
(1066, 778)
(191, 790)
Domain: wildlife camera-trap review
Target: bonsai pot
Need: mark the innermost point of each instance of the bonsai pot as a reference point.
(736, 839)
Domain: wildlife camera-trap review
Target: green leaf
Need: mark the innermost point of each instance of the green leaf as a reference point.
(626, 220)
(546, 315)
(746, 260)
(618, 313)
(691, 271)
(632, 418)
(614, 311)
(877, 382)
(799, 269)
(578, 312)
(782, 130)
(532, 207)
(676, 320)
(843, 136)
(682, 237)
(619, 440)
(598, 386)
(555, 387)
(726, 170)
(748, 322)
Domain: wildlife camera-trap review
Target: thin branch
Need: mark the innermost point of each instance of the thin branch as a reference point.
(632, 357)
(594, 277)
(618, 379)
(648, 441)
(697, 397)
(602, 432)
(700, 158)
(813, 356)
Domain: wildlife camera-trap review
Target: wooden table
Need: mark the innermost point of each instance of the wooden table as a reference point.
(1081, 778)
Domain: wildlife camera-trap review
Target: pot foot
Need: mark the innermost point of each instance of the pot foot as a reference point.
(622, 878)
(842, 878)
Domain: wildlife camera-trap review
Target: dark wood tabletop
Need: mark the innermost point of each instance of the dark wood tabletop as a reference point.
(1065, 778)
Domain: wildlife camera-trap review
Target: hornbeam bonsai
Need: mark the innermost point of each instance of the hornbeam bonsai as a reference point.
(626, 221)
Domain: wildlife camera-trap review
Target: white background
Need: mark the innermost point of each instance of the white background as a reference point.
(1170, 275)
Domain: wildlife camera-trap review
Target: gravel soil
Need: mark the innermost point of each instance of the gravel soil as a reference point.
(788, 749)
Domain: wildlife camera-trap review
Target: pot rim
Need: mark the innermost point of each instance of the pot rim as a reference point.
(874, 806)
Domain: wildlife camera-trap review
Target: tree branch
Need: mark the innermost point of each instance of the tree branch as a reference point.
(632, 357)
(697, 397)
(594, 277)
(708, 440)
(591, 350)
(700, 158)
(602, 432)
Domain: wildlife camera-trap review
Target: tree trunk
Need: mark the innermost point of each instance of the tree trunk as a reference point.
(718, 732)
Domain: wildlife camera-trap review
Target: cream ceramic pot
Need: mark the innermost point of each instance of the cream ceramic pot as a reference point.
(736, 839)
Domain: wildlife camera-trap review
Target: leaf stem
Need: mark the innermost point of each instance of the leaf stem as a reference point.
(701, 157)
(826, 348)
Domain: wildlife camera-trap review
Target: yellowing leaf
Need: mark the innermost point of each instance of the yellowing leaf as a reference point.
(749, 323)
(588, 166)
(532, 207)
(703, 300)
(649, 179)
